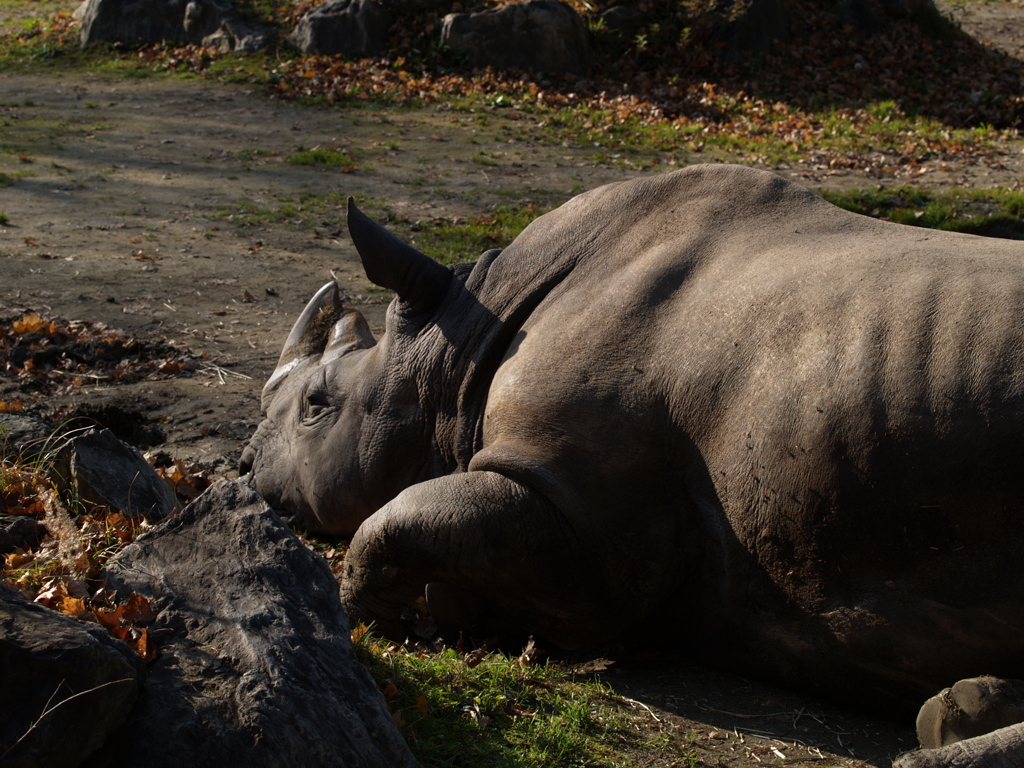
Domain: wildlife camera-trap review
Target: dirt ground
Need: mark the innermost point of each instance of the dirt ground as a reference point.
(126, 210)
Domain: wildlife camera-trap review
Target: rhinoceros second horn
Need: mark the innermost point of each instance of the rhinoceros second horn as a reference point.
(351, 331)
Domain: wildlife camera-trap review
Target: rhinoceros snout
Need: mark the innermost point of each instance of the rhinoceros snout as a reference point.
(246, 462)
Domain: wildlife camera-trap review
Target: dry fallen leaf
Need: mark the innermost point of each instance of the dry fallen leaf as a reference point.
(422, 705)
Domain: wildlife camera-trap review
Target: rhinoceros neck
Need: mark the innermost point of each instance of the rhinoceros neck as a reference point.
(486, 308)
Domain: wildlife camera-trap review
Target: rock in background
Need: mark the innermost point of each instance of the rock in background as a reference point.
(539, 35)
(25, 439)
(256, 666)
(212, 23)
(97, 468)
(751, 26)
(347, 27)
(87, 679)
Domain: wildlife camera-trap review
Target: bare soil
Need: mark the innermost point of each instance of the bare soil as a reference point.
(125, 211)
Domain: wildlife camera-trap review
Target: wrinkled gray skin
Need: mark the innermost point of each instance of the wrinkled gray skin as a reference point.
(708, 398)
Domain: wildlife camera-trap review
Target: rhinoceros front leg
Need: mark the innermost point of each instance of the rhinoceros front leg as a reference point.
(491, 539)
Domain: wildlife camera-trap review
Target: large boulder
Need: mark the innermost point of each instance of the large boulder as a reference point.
(539, 35)
(214, 23)
(256, 665)
(346, 27)
(66, 685)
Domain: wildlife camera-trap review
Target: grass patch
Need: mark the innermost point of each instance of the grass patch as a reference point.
(446, 240)
(4, 219)
(305, 209)
(990, 212)
(465, 239)
(325, 158)
(475, 709)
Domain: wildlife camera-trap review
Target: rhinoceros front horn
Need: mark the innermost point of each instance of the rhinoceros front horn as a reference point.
(309, 331)
(415, 277)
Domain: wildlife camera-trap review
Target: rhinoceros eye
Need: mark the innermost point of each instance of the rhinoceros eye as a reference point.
(317, 402)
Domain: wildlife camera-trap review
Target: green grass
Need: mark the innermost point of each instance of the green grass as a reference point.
(4, 219)
(451, 242)
(445, 240)
(492, 710)
(282, 209)
(324, 158)
(991, 212)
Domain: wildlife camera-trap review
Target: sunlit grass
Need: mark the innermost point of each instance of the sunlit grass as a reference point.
(324, 158)
(993, 212)
(490, 709)
(464, 240)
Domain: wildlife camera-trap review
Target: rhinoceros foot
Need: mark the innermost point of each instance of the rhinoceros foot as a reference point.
(1003, 748)
(970, 708)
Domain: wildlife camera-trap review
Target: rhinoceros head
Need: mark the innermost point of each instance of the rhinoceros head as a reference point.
(344, 431)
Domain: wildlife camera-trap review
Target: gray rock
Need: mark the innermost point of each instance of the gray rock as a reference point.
(178, 21)
(24, 438)
(346, 27)
(758, 25)
(87, 679)
(623, 23)
(100, 469)
(256, 666)
(19, 532)
(871, 17)
(542, 35)
(234, 38)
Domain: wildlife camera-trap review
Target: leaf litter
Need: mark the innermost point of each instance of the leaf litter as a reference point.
(52, 357)
(896, 104)
(63, 572)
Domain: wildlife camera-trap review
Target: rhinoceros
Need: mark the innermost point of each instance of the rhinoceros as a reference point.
(706, 400)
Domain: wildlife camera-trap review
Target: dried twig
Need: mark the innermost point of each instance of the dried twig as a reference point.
(222, 372)
(48, 710)
(79, 375)
(749, 717)
(641, 704)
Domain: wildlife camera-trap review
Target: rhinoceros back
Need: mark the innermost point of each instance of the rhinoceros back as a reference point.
(848, 393)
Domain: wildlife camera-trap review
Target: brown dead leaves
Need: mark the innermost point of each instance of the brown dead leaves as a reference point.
(60, 574)
(126, 620)
(49, 355)
(186, 482)
(63, 573)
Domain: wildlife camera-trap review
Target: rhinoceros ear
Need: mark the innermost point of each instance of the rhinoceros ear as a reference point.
(350, 332)
(390, 263)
